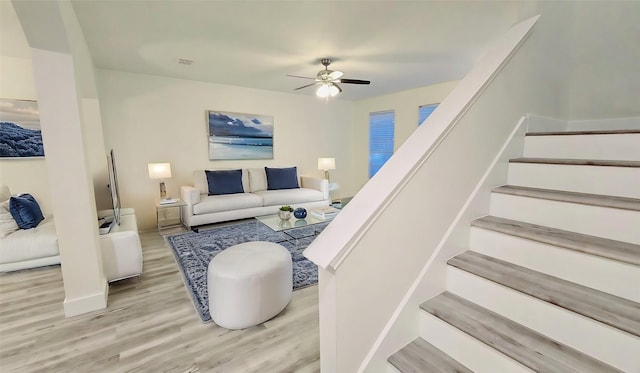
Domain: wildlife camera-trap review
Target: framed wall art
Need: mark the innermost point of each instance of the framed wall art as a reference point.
(20, 134)
(239, 135)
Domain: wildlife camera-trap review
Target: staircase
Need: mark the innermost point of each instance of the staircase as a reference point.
(551, 281)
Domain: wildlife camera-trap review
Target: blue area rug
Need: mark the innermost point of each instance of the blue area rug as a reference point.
(194, 251)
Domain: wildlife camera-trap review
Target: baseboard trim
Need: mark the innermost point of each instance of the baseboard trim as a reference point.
(93, 302)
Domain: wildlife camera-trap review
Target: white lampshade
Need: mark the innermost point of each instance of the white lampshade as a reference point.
(333, 90)
(326, 164)
(159, 170)
(323, 91)
(327, 89)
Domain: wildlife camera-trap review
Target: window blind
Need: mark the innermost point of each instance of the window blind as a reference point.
(381, 128)
(424, 111)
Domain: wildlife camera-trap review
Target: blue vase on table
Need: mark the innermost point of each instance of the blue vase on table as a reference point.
(300, 213)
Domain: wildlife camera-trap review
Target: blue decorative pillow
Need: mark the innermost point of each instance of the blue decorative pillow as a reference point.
(282, 178)
(25, 211)
(224, 182)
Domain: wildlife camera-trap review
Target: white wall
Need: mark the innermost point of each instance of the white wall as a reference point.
(604, 59)
(405, 105)
(154, 119)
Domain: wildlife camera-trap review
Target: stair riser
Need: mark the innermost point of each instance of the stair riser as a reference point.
(605, 343)
(596, 272)
(611, 147)
(612, 223)
(469, 351)
(613, 181)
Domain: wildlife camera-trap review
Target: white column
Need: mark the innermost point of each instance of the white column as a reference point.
(71, 183)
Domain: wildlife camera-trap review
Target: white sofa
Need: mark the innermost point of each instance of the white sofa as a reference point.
(256, 200)
(26, 248)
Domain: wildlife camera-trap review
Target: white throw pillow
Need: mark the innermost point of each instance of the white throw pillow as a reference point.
(8, 224)
(5, 193)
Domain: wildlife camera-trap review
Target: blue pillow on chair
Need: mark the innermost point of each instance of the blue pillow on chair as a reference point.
(26, 211)
(282, 178)
(224, 182)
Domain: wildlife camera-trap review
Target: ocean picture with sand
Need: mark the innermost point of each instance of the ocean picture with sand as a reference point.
(240, 136)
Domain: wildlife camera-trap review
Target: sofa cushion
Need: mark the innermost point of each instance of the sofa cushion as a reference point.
(27, 244)
(282, 178)
(227, 202)
(8, 224)
(289, 196)
(224, 182)
(200, 181)
(25, 210)
(257, 179)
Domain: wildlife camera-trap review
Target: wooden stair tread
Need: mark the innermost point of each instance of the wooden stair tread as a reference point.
(609, 309)
(616, 250)
(624, 203)
(577, 162)
(594, 132)
(518, 342)
(420, 356)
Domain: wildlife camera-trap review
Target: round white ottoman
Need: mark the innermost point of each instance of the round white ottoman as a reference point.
(249, 283)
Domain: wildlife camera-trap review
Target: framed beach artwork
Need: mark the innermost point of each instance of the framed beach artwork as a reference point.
(20, 134)
(239, 135)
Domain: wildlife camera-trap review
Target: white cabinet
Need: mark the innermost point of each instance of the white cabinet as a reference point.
(121, 248)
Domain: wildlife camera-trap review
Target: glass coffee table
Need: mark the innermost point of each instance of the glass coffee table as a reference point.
(297, 232)
(275, 223)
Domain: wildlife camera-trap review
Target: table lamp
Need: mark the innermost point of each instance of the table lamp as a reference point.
(160, 171)
(326, 164)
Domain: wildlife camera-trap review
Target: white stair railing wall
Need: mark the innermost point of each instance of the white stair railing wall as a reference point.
(374, 255)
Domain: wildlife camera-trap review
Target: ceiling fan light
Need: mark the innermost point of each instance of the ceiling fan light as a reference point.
(323, 91)
(333, 90)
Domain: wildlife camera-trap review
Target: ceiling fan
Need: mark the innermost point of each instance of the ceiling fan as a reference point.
(328, 80)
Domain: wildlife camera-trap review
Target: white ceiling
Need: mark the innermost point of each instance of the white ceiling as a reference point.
(398, 45)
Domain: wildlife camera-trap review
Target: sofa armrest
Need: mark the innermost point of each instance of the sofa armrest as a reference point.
(316, 183)
(190, 195)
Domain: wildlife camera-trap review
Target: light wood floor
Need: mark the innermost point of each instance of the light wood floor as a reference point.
(150, 325)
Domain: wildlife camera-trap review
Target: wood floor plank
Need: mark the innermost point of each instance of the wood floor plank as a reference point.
(616, 250)
(609, 309)
(149, 325)
(589, 132)
(420, 356)
(512, 339)
(624, 203)
(577, 162)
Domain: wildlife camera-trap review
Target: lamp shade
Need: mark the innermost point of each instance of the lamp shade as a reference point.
(323, 91)
(326, 164)
(159, 170)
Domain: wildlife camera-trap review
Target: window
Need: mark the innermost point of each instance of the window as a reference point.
(380, 139)
(424, 111)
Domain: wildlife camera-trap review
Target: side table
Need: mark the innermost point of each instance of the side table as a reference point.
(166, 214)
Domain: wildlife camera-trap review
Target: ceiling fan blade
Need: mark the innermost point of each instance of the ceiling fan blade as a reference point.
(298, 76)
(305, 86)
(354, 81)
(337, 86)
(335, 75)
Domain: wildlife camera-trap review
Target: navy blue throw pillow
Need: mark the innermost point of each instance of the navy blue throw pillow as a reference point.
(224, 182)
(26, 211)
(282, 178)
